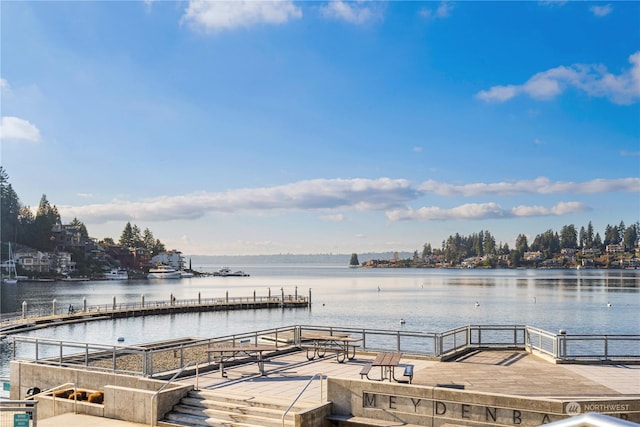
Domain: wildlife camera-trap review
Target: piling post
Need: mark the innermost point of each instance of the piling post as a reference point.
(254, 295)
(114, 303)
(142, 301)
(226, 298)
(282, 297)
(309, 297)
(296, 294)
(54, 307)
(269, 294)
(24, 309)
(199, 299)
(84, 304)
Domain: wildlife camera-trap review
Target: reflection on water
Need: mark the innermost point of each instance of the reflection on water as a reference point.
(432, 300)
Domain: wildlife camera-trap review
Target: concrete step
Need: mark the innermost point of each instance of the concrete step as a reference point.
(227, 407)
(181, 420)
(349, 420)
(252, 399)
(221, 408)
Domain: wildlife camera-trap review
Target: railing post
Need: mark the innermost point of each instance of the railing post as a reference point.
(398, 339)
(24, 309)
(53, 307)
(606, 347)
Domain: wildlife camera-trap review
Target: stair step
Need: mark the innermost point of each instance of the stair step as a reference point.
(230, 407)
(251, 399)
(363, 421)
(174, 420)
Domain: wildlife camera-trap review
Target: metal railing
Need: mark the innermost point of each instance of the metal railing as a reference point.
(286, 411)
(154, 409)
(10, 410)
(164, 358)
(56, 309)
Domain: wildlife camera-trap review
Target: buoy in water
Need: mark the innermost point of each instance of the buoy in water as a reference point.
(477, 304)
(402, 322)
(608, 304)
(120, 339)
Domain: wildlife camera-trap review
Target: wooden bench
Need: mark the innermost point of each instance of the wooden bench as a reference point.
(408, 372)
(365, 370)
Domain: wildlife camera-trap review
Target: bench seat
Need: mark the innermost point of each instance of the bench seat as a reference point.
(408, 372)
(365, 370)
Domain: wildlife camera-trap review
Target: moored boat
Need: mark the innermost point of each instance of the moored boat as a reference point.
(226, 272)
(116, 274)
(12, 279)
(163, 272)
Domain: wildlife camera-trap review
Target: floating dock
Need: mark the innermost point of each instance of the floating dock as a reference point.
(86, 313)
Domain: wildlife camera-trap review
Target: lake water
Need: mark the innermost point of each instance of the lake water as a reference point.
(430, 300)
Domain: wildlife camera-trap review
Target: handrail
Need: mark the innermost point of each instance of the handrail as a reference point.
(154, 413)
(300, 395)
(53, 396)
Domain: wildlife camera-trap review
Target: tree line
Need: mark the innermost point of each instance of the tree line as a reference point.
(549, 243)
(19, 225)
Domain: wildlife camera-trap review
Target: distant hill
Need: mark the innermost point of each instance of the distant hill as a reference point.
(337, 259)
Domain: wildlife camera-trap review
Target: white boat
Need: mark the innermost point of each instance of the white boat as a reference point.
(11, 267)
(116, 274)
(186, 274)
(163, 272)
(226, 272)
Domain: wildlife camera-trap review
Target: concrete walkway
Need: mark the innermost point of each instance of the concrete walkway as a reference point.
(505, 372)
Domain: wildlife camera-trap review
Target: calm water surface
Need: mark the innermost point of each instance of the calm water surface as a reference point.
(430, 300)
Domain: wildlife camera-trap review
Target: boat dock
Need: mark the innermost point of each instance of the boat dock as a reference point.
(23, 322)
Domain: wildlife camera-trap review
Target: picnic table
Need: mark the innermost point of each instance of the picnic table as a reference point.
(387, 363)
(343, 347)
(231, 353)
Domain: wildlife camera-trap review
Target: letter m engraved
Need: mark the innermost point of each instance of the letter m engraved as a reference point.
(368, 400)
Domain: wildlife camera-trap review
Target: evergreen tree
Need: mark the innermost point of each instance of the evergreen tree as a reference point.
(46, 217)
(126, 238)
(80, 227)
(630, 238)
(354, 260)
(568, 237)
(9, 209)
(521, 244)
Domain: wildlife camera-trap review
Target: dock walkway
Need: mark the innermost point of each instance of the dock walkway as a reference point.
(26, 322)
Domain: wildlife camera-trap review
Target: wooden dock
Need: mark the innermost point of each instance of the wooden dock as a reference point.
(24, 323)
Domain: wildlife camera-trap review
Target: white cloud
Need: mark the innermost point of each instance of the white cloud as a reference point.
(212, 16)
(627, 153)
(498, 93)
(4, 84)
(592, 79)
(333, 218)
(540, 185)
(330, 195)
(311, 195)
(442, 11)
(15, 128)
(600, 11)
(476, 211)
(354, 12)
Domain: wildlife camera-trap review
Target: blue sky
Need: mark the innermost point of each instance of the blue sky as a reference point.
(323, 127)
